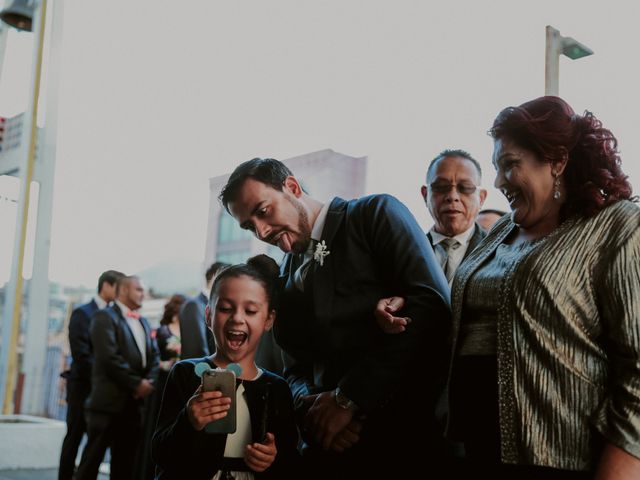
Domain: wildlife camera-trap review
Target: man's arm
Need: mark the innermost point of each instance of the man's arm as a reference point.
(299, 376)
(192, 331)
(153, 360)
(404, 264)
(405, 258)
(80, 343)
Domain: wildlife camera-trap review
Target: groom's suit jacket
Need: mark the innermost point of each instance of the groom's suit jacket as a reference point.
(329, 333)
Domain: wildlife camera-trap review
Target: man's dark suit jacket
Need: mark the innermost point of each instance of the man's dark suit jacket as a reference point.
(117, 368)
(195, 337)
(80, 343)
(331, 338)
(474, 241)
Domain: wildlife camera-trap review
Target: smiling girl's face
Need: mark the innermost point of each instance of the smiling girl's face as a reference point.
(240, 315)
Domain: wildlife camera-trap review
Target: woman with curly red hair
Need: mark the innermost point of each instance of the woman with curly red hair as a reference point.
(545, 378)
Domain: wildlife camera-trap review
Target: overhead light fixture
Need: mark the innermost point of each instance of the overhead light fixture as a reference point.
(574, 49)
(19, 14)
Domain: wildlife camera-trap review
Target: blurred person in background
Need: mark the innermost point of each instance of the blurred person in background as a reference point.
(488, 217)
(196, 338)
(123, 374)
(168, 334)
(79, 376)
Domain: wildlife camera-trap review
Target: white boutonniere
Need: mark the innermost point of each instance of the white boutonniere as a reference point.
(321, 252)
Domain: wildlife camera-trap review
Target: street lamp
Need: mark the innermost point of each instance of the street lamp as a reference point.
(16, 15)
(556, 44)
(19, 14)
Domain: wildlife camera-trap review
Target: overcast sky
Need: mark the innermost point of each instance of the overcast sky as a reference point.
(158, 96)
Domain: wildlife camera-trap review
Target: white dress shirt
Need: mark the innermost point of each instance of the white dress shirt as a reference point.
(456, 253)
(100, 302)
(137, 329)
(316, 233)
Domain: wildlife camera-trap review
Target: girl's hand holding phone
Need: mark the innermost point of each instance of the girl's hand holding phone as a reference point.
(206, 407)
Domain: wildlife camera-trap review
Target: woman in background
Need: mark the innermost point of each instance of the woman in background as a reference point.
(168, 337)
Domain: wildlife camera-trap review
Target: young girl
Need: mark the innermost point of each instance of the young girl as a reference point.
(264, 444)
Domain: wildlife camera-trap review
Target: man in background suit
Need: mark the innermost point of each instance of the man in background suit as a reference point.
(196, 339)
(79, 376)
(361, 397)
(124, 369)
(487, 217)
(453, 197)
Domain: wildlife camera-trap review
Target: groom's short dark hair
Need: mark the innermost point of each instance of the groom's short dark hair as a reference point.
(264, 170)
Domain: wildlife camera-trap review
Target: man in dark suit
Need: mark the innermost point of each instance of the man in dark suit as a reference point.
(125, 366)
(361, 397)
(79, 376)
(195, 338)
(453, 196)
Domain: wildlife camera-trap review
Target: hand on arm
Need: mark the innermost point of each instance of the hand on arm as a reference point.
(384, 311)
(325, 419)
(347, 437)
(144, 389)
(260, 456)
(206, 407)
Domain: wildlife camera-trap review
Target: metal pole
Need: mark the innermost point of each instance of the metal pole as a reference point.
(35, 351)
(10, 353)
(552, 62)
(4, 34)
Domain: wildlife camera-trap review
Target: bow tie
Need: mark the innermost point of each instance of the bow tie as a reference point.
(132, 314)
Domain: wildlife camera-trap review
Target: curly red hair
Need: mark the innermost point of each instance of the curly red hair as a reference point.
(550, 128)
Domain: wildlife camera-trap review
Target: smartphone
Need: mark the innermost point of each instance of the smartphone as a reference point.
(225, 382)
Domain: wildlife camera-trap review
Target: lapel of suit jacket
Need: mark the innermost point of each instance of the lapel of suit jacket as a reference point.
(324, 275)
(147, 341)
(94, 306)
(290, 264)
(476, 238)
(430, 239)
(127, 329)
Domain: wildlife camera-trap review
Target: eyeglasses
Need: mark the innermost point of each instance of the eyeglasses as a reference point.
(462, 188)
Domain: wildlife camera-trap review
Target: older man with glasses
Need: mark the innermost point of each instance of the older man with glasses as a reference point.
(453, 196)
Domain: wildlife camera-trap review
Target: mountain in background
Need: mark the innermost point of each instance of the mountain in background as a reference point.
(167, 278)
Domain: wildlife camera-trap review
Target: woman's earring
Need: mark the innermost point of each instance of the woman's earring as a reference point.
(556, 187)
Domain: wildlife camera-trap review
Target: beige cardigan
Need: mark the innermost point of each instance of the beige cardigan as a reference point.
(568, 339)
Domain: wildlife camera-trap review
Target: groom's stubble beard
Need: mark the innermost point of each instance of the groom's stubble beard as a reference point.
(302, 243)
